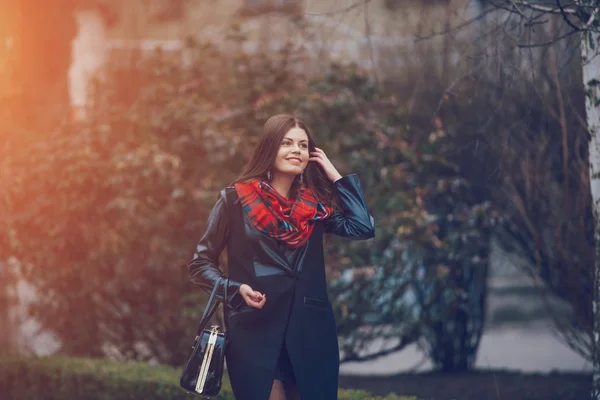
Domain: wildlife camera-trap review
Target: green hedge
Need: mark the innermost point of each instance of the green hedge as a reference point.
(59, 378)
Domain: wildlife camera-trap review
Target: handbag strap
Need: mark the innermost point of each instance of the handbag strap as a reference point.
(224, 302)
(212, 305)
(209, 311)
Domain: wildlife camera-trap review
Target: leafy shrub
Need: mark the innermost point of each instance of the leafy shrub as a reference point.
(57, 378)
(116, 202)
(104, 212)
(425, 272)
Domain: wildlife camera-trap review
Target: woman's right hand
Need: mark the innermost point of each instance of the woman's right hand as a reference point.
(252, 297)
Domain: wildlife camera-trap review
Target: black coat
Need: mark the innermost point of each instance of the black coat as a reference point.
(297, 311)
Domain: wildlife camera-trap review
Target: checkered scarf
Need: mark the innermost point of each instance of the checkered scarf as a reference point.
(288, 220)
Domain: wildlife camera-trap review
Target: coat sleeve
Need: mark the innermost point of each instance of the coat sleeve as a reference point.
(204, 267)
(353, 220)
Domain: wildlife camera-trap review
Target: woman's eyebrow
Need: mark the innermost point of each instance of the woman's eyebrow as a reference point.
(303, 140)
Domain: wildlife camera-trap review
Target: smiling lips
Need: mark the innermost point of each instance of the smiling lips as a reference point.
(294, 160)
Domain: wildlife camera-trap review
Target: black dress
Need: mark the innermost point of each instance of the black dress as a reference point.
(284, 371)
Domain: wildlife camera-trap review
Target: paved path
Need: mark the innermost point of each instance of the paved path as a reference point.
(527, 349)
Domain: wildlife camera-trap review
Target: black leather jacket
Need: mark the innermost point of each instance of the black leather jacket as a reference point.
(297, 313)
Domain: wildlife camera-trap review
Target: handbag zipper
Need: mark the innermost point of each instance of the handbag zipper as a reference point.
(208, 353)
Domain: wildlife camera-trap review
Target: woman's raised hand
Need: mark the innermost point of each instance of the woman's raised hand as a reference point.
(320, 158)
(252, 297)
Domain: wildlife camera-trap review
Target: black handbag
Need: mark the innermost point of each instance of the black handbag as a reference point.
(203, 373)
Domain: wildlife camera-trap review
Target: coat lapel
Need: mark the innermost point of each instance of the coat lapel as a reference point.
(267, 252)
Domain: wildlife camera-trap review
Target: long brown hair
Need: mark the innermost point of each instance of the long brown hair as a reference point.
(265, 153)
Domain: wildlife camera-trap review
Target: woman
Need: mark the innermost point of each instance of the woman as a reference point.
(283, 341)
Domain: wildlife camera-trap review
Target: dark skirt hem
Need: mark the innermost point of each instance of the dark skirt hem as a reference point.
(284, 371)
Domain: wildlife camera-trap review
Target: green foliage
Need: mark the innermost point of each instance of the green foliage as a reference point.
(105, 212)
(525, 149)
(427, 265)
(67, 378)
(362, 395)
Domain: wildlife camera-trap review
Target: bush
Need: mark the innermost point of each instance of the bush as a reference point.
(68, 378)
(117, 202)
(102, 244)
(424, 274)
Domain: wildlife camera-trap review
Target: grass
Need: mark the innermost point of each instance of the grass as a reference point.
(62, 378)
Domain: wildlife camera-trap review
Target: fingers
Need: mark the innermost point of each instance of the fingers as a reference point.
(247, 292)
(320, 158)
(318, 154)
(257, 304)
(255, 299)
(256, 296)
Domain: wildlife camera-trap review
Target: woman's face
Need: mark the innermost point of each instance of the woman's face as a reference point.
(293, 155)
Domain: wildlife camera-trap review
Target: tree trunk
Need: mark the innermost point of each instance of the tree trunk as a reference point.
(591, 81)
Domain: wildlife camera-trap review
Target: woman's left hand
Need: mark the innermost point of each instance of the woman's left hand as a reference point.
(320, 158)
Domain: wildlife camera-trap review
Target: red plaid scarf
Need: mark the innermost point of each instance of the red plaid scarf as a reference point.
(288, 220)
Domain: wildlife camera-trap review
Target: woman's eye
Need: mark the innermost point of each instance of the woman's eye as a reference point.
(289, 143)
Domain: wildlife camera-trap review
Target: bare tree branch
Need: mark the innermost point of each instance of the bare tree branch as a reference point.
(456, 28)
(555, 40)
(368, 37)
(565, 15)
(541, 8)
(342, 10)
(576, 10)
(456, 81)
(405, 341)
(592, 17)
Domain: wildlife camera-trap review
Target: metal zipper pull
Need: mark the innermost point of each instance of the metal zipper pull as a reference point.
(208, 353)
